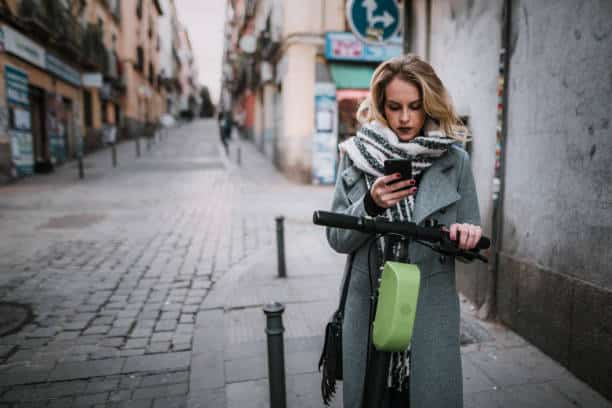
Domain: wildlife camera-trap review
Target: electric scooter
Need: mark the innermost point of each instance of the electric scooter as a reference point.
(394, 291)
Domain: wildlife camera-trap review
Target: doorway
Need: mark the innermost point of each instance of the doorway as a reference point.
(42, 162)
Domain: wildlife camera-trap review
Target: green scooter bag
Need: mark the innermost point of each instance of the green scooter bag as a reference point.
(396, 307)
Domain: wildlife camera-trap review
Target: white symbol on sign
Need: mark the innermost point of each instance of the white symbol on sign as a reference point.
(371, 6)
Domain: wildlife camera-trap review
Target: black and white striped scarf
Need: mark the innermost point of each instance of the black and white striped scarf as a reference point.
(368, 150)
(375, 143)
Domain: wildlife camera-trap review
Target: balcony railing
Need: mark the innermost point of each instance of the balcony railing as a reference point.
(112, 68)
(37, 14)
(52, 23)
(94, 51)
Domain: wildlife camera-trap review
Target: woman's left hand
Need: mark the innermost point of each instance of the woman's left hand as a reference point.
(468, 235)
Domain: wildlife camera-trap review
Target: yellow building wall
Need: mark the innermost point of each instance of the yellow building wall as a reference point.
(138, 105)
(295, 142)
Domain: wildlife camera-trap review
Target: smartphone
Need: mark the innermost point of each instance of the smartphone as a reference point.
(402, 166)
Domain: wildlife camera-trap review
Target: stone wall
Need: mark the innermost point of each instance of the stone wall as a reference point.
(555, 285)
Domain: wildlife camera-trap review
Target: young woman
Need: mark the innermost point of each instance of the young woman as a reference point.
(408, 114)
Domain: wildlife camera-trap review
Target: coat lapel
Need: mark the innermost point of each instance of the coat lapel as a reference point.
(438, 188)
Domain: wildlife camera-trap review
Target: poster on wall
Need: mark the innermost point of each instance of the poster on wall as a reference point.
(21, 151)
(55, 128)
(20, 122)
(325, 134)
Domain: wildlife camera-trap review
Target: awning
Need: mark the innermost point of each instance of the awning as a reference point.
(351, 76)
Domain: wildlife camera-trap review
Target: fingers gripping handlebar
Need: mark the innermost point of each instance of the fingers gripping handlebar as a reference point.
(381, 226)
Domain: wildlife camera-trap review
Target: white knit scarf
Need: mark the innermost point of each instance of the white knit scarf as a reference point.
(375, 143)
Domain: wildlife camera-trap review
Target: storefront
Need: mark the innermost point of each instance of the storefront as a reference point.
(349, 66)
(41, 100)
(352, 63)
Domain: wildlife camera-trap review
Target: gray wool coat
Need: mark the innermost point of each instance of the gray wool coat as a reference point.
(447, 194)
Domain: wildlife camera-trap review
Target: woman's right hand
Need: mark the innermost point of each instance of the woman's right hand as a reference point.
(387, 191)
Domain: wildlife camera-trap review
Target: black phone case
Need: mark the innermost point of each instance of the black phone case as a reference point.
(402, 166)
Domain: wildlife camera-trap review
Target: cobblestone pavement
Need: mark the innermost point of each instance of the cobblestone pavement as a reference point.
(116, 267)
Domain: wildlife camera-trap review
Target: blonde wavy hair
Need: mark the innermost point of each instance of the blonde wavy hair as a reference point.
(436, 100)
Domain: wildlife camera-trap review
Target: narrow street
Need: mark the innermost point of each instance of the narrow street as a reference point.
(116, 267)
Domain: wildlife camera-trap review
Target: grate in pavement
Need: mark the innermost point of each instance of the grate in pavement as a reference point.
(73, 221)
(13, 316)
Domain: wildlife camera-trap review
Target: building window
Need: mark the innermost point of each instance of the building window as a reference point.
(87, 108)
(139, 9)
(139, 59)
(104, 111)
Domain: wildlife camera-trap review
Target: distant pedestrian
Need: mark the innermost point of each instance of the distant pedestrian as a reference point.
(225, 128)
(409, 115)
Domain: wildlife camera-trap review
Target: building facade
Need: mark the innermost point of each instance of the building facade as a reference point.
(169, 61)
(41, 100)
(143, 100)
(72, 70)
(189, 91)
(295, 74)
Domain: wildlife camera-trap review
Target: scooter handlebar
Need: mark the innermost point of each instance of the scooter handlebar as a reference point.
(379, 226)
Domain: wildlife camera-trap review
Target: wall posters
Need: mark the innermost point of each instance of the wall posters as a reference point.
(20, 124)
(56, 131)
(325, 135)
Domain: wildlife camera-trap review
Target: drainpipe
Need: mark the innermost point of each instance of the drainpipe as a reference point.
(489, 308)
(407, 40)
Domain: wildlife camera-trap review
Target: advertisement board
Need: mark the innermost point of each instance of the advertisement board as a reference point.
(325, 135)
(20, 123)
(56, 132)
(21, 46)
(344, 46)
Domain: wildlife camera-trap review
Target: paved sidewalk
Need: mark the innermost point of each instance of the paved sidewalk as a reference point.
(500, 369)
(147, 283)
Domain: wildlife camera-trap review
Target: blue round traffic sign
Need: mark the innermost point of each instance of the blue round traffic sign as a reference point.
(373, 21)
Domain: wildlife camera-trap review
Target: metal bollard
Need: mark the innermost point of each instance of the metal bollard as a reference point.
(114, 154)
(81, 168)
(276, 354)
(239, 156)
(137, 146)
(280, 247)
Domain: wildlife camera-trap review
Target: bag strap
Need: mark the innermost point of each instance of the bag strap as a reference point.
(345, 284)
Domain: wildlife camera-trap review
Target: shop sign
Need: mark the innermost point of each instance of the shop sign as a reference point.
(343, 46)
(62, 70)
(326, 134)
(373, 21)
(16, 86)
(22, 152)
(20, 125)
(92, 80)
(21, 46)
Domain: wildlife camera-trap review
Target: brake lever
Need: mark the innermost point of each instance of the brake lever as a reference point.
(448, 247)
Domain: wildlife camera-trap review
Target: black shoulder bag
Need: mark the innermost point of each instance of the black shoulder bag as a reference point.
(330, 362)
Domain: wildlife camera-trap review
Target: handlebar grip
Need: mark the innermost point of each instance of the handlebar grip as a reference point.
(330, 219)
(484, 243)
